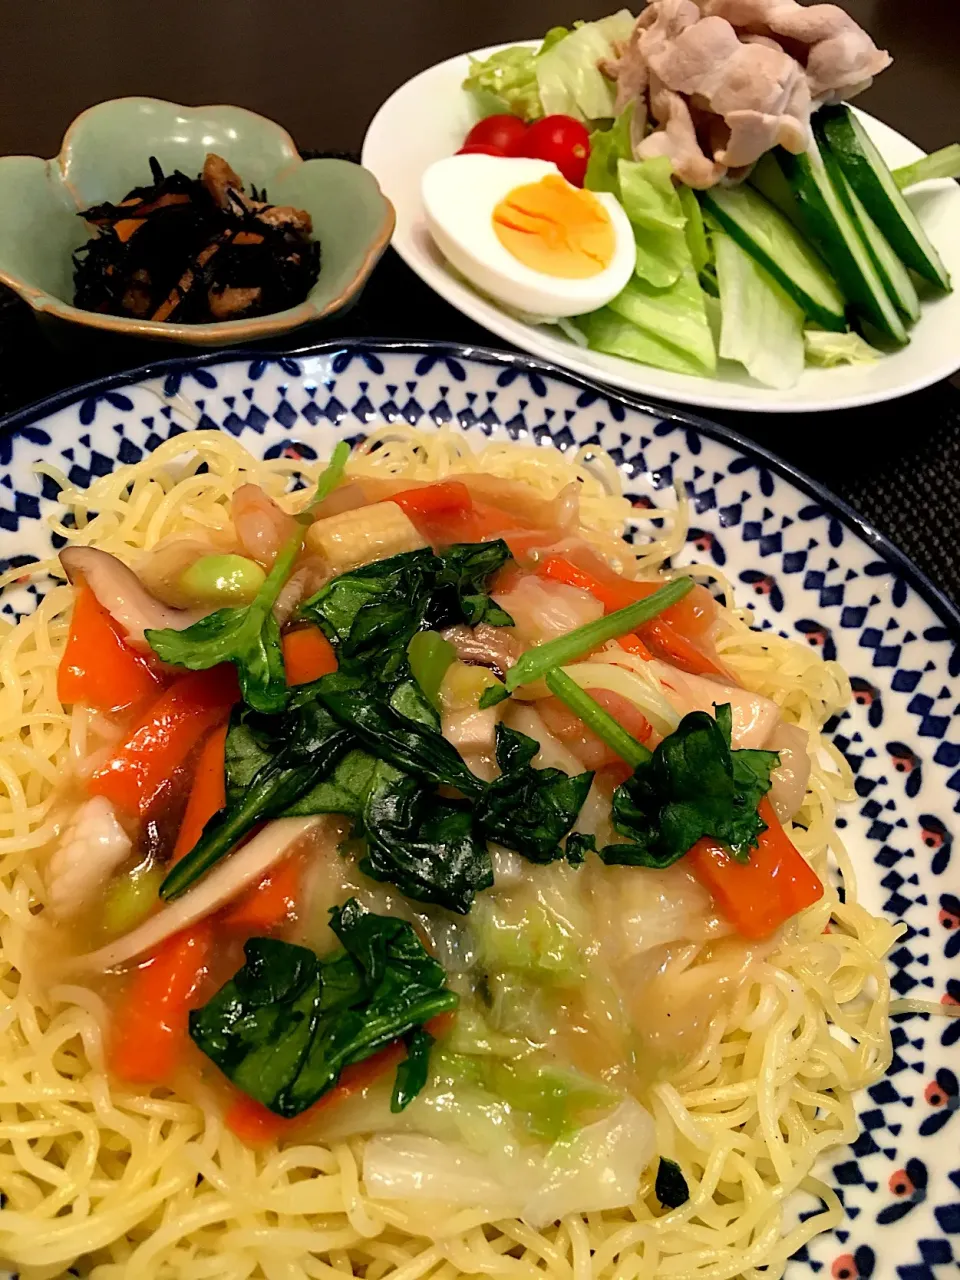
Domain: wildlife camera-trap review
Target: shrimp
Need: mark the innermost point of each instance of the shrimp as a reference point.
(262, 527)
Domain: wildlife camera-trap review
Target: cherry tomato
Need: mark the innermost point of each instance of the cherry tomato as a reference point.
(563, 141)
(479, 149)
(502, 133)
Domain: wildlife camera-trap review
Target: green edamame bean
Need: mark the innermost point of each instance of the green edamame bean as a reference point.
(222, 580)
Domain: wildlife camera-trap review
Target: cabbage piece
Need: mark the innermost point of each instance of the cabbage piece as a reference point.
(830, 349)
(599, 1168)
(410, 1166)
(761, 327)
(547, 1098)
(568, 77)
(530, 935)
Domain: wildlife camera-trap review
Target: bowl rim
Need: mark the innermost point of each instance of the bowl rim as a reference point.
(202, 335)
(941, 604)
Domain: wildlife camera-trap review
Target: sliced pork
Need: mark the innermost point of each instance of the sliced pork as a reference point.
(839, 57)
(725, 81)
(754, 87)
(677, 139)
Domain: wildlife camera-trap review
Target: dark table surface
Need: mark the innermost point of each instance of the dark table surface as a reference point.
(322, 69)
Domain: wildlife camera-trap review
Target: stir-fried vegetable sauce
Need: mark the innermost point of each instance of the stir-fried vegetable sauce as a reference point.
(371, 846)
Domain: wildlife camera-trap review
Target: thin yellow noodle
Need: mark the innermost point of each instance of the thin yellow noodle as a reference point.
(126, 1185)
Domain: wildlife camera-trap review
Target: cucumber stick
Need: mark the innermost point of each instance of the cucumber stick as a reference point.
(770, 240)
(867, 172)
(840, 242)
(769, 180)
(894, 274)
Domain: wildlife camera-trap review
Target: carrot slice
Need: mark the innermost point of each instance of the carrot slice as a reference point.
(760, 895)
(662, 634)
(448, 497)
(163, 738)
(439, 1026)
(307, 655)
(268, 904)
(668, 643)
(125, 227)
(207, 795)
(633, 644)
(149, 1031)
(97, 667)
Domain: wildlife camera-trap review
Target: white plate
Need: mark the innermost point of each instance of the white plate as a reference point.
(428, 117)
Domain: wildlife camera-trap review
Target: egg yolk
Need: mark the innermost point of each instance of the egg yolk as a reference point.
(555, 229)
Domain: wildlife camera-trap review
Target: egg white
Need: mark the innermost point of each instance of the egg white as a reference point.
(460, 194)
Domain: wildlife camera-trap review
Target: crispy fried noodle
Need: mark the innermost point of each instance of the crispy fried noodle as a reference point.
(120, 1181)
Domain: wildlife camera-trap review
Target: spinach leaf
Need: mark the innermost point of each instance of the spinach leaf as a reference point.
(393, 736)
(313, 761)
(671, 1186)
(408, 699)
(262, 785)
(526, 809)
(248, 635)
(423, 843)
(694, 785)
(370, 614)
(461, 585)
(245, 753)
(287, 1023)
(413, 1071)
(344, 790)
(578, 845)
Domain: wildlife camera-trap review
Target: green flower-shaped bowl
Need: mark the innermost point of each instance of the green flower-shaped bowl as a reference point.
(105, 153)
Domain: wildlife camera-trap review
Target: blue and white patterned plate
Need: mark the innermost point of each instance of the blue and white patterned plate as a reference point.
(810, 568)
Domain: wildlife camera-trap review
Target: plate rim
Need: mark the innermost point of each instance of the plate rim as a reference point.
(862, 399)
(945, 609)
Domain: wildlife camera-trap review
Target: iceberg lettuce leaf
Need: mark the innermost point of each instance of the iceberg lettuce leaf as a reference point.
(568, 75)
(761, 328)
(653, 206)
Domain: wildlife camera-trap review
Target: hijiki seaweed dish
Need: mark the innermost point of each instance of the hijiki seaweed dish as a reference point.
(195, 251)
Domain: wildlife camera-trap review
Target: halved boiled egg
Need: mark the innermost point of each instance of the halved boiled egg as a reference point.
(518, 231)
